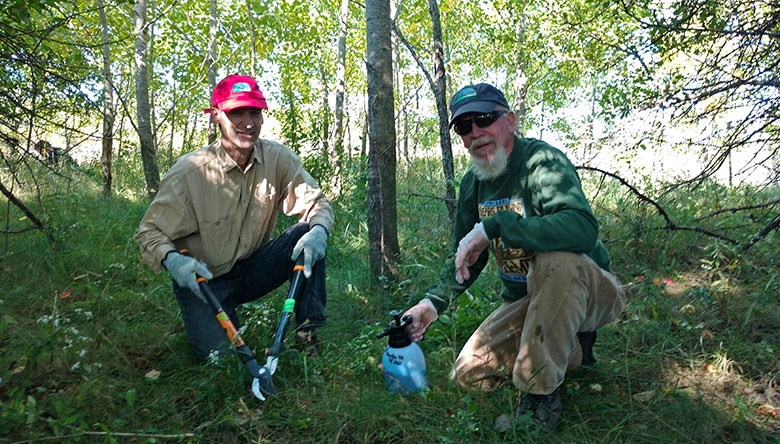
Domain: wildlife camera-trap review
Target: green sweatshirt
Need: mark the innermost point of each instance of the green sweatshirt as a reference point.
(537, 204)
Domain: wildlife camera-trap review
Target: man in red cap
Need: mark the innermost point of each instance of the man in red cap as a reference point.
(221, 203)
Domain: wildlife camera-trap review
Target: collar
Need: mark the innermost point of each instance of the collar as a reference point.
(227, 163)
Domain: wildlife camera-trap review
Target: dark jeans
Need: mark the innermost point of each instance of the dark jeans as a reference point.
(252, 278)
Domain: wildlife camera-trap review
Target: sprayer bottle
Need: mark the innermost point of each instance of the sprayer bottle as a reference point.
(403, 362)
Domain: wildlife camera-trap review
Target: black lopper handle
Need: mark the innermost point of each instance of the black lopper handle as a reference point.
(289, 304)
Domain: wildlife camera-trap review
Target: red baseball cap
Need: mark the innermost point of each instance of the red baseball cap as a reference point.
(235, 91)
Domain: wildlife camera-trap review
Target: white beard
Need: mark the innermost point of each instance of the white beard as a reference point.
(492, 168)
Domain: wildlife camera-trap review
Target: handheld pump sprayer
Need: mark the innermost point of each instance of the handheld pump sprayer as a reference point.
(403, 362)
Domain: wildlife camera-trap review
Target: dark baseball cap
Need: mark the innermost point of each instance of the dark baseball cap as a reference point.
(479, 98)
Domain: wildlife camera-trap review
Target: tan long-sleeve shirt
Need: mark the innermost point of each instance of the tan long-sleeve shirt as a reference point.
(207, 205)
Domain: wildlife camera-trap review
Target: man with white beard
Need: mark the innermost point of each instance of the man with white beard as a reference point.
(523, 201)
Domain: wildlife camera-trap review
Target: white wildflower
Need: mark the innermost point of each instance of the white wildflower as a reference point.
(213, 357)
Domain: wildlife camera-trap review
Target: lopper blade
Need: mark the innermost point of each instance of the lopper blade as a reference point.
(256, 389)
(264, 382)
(270, 364)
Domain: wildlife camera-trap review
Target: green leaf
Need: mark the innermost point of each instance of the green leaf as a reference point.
(130, 397)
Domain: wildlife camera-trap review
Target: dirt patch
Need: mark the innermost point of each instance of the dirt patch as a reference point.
(676, 287)
(719, 383)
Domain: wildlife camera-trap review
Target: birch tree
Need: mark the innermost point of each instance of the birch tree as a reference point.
(212, 61)
(148, 150)
(440, 91)
(381, 187)
(341, 74)
(108, 105)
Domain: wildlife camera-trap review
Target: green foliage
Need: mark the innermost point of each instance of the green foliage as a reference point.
(86, 325)
(19, 11)
(91, 340)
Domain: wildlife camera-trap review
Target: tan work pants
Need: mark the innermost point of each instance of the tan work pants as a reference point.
(536, 337)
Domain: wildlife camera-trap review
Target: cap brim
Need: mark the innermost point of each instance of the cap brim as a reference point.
(227, 105)
(477, 106)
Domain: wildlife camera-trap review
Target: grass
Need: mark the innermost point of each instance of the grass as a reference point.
(92, 348)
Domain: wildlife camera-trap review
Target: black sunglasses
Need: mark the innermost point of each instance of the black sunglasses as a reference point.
(463, 127)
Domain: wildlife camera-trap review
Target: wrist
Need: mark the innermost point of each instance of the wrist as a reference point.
(428, 303)
(480, 228)
(489, 228)
(321, 229)
(168, 255)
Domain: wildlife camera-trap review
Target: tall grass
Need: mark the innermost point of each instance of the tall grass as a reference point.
(92, 348)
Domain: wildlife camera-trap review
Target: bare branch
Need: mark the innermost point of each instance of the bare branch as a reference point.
(670, 225)
(756, 237)
(19, 204)
(738, 209)
(415, 57)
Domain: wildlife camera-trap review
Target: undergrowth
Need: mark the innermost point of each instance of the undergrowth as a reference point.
(92, 348)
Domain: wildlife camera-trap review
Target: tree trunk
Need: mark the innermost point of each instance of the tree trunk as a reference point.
(521, 82)
(364, 139)
(325, 113)
(399, 86)
(108, 106)
(174, 79)
(590, 146)
(150, 80)
(148, 150)
(341, 88)
(440, 91)
(374, 216)
(252, 50)
(405, 140)
(188, 136)
(382, 212)
(212, 68)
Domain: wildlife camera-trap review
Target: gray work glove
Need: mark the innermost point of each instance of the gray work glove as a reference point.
(313, 245)
(183, 270)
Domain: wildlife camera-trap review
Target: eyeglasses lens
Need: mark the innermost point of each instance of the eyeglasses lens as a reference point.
(463, 127)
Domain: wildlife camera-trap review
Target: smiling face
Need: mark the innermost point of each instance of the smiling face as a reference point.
(240, 127)
(490, 146)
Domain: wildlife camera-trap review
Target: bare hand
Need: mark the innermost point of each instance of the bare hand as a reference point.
(469, 249)
(423, 314)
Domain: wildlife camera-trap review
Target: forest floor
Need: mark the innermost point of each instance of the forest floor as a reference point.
(92, 348)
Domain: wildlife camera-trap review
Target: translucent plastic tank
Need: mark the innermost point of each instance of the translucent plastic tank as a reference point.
(403, 362)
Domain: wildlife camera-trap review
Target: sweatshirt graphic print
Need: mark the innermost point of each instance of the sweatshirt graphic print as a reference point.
(512, 262)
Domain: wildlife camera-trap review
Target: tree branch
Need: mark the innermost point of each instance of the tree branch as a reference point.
(670, 225)
(122, 434)
(415, 57)
(745, 208)
(756, 237)
(19, 204)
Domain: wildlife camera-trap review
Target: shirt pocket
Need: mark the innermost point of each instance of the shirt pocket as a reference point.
(219, 240)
